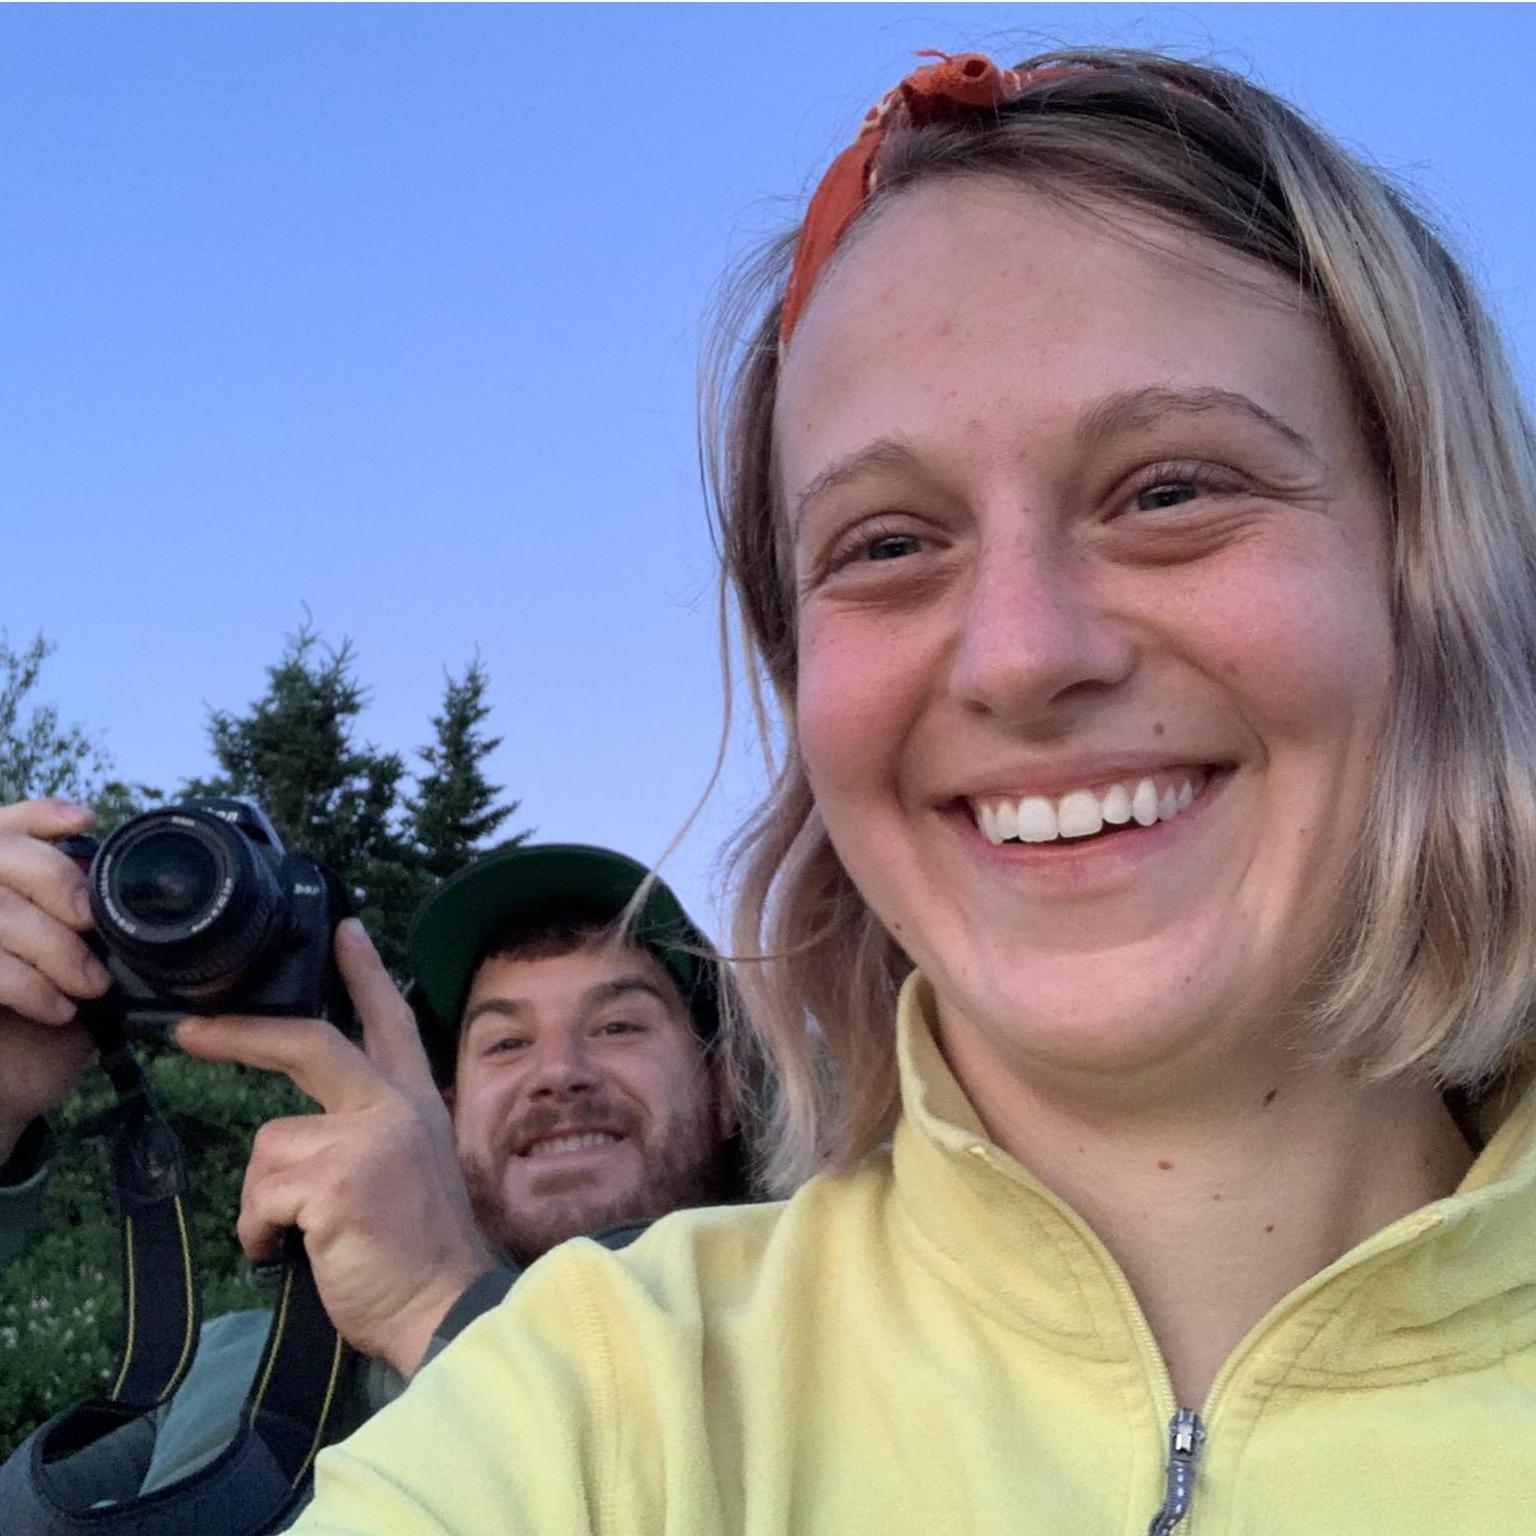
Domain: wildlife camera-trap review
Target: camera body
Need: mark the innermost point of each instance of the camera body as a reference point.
(200, 909)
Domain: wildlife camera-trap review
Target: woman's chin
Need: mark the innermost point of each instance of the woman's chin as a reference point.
(1112, 1016)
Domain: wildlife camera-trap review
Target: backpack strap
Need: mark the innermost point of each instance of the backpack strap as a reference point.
(81, 1471)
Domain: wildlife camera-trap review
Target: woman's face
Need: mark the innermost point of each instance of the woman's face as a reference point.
(1091, 551)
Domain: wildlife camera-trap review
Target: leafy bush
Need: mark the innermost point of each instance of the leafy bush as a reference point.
(60, 1302)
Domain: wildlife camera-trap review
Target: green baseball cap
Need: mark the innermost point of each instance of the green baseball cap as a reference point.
(546, 883)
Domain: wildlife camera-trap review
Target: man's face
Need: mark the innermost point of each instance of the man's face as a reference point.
(581, 1097)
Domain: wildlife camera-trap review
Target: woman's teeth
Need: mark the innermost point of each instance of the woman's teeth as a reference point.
(1083, 812)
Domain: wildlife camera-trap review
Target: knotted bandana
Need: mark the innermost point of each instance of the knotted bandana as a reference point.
(932, 93)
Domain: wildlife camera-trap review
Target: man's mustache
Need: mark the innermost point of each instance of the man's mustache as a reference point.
(574, 1117)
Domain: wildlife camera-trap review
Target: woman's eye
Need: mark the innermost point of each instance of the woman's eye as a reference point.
(505, 1045)
(869, 545)
(1168, 493)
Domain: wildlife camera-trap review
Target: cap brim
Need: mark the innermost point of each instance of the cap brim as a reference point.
(530, 888)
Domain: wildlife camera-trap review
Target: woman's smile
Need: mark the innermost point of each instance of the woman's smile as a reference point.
(1140, 800)
(1096, 832)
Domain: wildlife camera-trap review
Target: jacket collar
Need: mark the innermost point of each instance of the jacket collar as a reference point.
(1444, 1287)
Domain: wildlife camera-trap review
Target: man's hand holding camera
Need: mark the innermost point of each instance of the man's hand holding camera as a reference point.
(374, 1183)
(45, 967)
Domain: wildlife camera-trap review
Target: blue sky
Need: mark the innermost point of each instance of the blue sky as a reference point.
(391, 312)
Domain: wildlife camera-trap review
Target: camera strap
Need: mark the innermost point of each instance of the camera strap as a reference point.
(161, 1306)
(79, 1472)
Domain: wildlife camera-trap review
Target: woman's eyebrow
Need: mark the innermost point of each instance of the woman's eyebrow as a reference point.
(882, 453)
(1126, 411)
(1133, 409)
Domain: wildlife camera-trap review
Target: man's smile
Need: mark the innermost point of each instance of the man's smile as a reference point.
(567, 1143)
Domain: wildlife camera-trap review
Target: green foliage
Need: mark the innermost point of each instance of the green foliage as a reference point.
(38, 755)
(115, 801)
(59, 1300)
(454, 810)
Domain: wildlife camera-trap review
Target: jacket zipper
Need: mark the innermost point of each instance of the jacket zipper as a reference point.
(1186, 1429)
(1186, 1435)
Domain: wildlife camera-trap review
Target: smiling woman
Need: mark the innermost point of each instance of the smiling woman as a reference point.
(1131, 509)
(1311, 431)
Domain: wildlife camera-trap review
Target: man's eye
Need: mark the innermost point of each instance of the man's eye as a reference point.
(892, 546)
(621, 1027)
(504, 1045)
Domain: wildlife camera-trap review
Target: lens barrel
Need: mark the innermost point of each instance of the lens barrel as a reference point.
(187, 900)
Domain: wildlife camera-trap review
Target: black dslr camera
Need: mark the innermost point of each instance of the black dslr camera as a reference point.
(199, 909)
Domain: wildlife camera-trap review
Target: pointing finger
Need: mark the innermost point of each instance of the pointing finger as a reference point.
(318, 1059)
(389, 1028)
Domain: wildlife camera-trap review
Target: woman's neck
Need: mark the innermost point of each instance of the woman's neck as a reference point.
(1218, 1204)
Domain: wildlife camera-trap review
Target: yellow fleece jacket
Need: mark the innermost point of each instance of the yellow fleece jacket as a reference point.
(937, 1345)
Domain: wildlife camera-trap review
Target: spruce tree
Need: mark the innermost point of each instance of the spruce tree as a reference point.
(115, 801)
(455, 811)
(294, 752)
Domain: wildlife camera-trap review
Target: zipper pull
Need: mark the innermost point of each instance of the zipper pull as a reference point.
(1186, 1435)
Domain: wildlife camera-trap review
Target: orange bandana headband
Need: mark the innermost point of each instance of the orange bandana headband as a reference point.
(932, 93)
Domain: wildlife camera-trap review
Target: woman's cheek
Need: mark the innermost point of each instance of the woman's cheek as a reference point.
(1309, 652)
(847, 703)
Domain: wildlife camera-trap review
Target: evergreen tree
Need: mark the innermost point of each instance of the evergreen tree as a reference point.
(294, 753)
(455, 808)
(38, 755)
(115, 801)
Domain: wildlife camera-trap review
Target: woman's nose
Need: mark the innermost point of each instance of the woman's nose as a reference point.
(1036, 633)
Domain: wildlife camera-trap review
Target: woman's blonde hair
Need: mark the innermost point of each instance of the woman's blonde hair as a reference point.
(1436, 971)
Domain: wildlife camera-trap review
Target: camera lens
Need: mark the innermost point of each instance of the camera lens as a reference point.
(189, 900)
(167, 879)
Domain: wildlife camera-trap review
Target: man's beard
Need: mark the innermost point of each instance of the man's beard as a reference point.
(685, 1168)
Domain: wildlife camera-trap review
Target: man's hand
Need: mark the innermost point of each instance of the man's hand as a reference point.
(45, 967)
(374, 1182)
